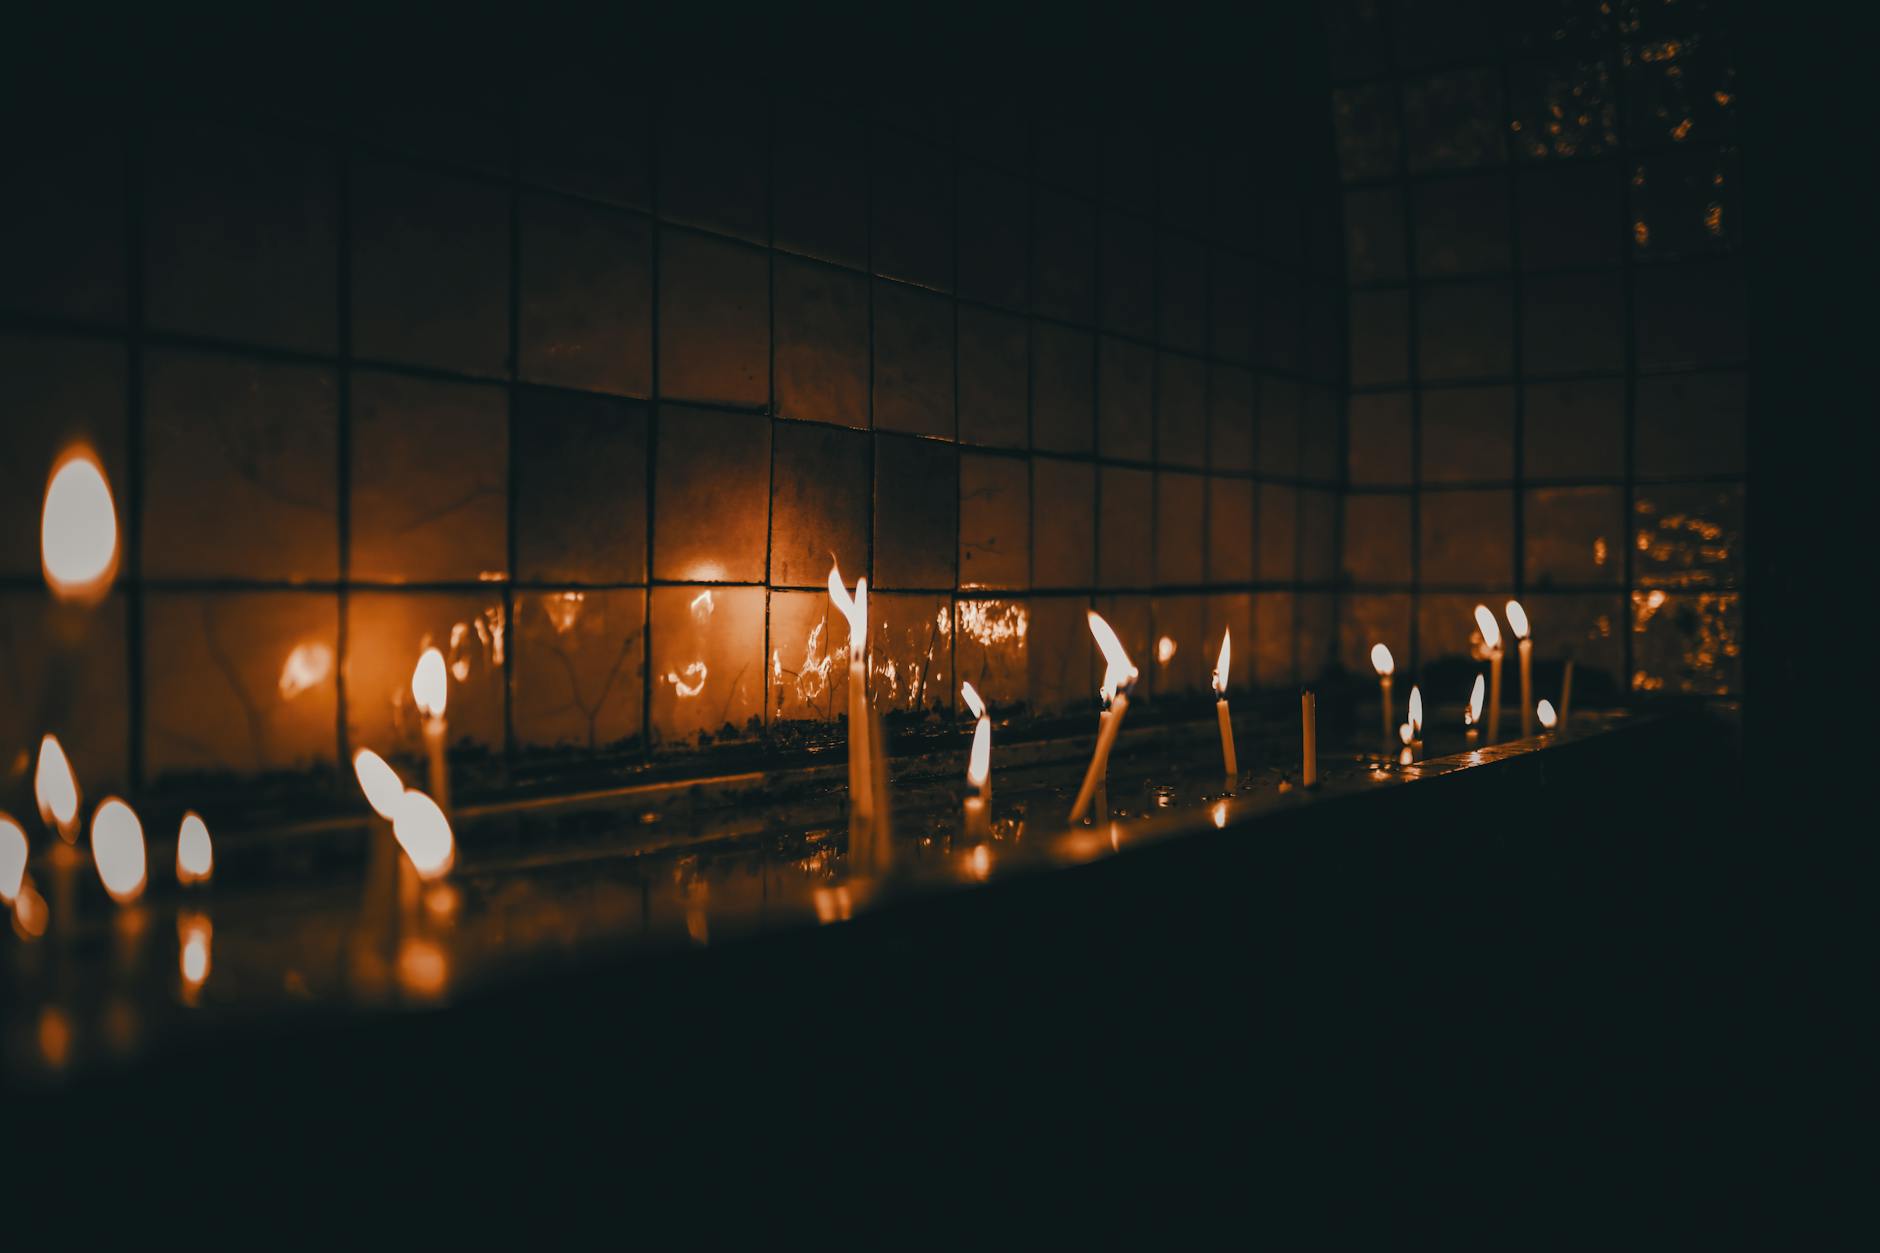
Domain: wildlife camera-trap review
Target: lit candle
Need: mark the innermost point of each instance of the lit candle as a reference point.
(117, 848)
(195, 935)
(195, 853)
(1566, 697)
(1386, 666)
(1545, 712)
(13, 855)
(78, 539)
(55, 789)
(1472, 716)
(978, 825)
(430, 688)
(1228, 757)
(1518, 623)
(386, 872)
(1412, 731)
(1491, 646)
(861, 773)
(1118, 676)
(1309, 735)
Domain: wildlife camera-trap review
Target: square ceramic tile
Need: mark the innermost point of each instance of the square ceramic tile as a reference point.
(65, 669)
(1380, 337)
(1378, 443)
(1688, 535)
(917, 501)
(990, 650)
(1318, 535)
(913, 361)
(910, 653)
(1465, 331)
(1571, 215)
(1689, 642)
(1591, 629)
(386, 633)
(820, 182)
(1468, 434)
(1181, 410)
(994, 224)
(809, 658)
(580, 483)
(1181, 294)
(1466, 538)
(1230, 418)
(820, 486)
(1230, 531)
(1454, 121)
(430, 268)
(1181, 663)
(912, 198)
(1691, 424)
(1063, 523)
(1063, 675)
(1462, 225)
(1572, 323)
(430, 480)
(711, 496)
(1574, 536)
(62, 232)
(1317, 636)
(1377, 538)
(707, 664)
(1063, 369)
(995, 522)
(1690, 315)
(241, 236)
(821, 327)
(1374, 235)
(240, 682)
(1282, 310)
(1231, 307)
(713, 159)
(994, 373)
(1127, 248)
(589, 136)
(1447, 637)
(1369, 136)
(1573, 430)
(1126, 527)
(1065, 152)
(1063, 257)
(60, 393)
(579, 661)
(587, 303)
(714, 320)
(1125, 400)
(1367, 619)
(1274, 642)
(231, 437)
(1282, 404)
(1278, 533)
(1181, 521)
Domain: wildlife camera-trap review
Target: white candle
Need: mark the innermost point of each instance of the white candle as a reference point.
(195, 853)
(1412, 731)
(1229, 758)
(978, 825)
(1518, 622)
(1491, 645)
(430, 689)
(861, 772)
(1309, 734)
(1386, 666)
(1472, 716)
(1118, 675)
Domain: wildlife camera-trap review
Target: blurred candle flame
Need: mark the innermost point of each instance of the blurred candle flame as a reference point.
(430, 684)
(1491, 630)
(971, 696)
(1221, 665)
(1118, 672)
(195, 935)
(424, 833)
(195, 853)
(1219, 813)
(29, 912)
(1476, 695)
(1165, 650)
(1416, 712)
(1517, 619)
(13, 852)
(1382, 661)
(117, 848)
(78, 535)
(855, 608)
(422, 969)
(979, 861)
(1545, 712)
(381, 784)
(56, 789)
(979, 768)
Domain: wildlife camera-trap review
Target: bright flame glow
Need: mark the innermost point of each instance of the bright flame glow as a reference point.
(1416, 712)
(979, 862)
(194, 934)
(1165, 650)
(979, 769)
(55, 789)
(1220, 666)
(12, 858)
(696, 673)
(1491, 630)
(422, 969)
(430, 684)
(1405, 734)
(423, 832)
(306, 667)
(78, 539)
(1118, 672)
(855, 609)
(383, 788)
(195, 854)
(1517, 619)
(30, 913)
(1545, 712)
(1476, 696)
(971, 696)
(1382, 661)
(1220, 814)
(117, 847)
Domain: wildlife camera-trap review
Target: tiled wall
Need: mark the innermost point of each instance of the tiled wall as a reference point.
(587, 383)
(1543, 217)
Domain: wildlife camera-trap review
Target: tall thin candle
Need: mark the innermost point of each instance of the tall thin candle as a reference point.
(1309, 736)
(430, 689)
(1386, 666)
(861, 771)
(1118, 677)
(1491, 645)
(1518, 623)
(1229, 758)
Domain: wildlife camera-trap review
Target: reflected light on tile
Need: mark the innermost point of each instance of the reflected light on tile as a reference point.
(306, 667)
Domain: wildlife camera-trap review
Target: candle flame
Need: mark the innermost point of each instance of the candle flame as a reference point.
(13, 851)
(29, 912)
(430, 684)
(423, 832)
(1416, 712)
(971, 696)
(1517, 619)
(1545, 712)
(1382, 661)
(305, 668)
(78, 535)
(855, 608)
(1219, 813)
(194, 935)
(1165, 650)
(55, 788)
(1220, 666)
(195, 853)
(979, 769)
(1118, 672)
(381, 784)
(1476, 695)
(1491, 630)
(1405, 734)
(117, 848)
(422, 968)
